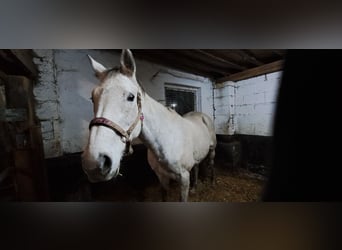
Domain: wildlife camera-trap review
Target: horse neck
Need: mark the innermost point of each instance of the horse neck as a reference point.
(157, 119)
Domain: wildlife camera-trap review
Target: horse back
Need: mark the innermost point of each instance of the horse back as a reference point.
(201, 119)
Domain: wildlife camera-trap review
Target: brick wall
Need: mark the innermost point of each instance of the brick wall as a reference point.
(247, 106)
(46, 94)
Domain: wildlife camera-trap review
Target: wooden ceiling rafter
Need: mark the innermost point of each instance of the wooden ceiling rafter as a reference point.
(222, 68)
(216, 64)
(231, 64)
(180, 61)
(250, 58)
(260, 70)
(18, 62)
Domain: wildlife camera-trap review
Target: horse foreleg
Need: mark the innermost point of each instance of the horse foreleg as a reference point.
(211, 164)
(194, 175)
(160, 172)
(185, 184)
(165, 185)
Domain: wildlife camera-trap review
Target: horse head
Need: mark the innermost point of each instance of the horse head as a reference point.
(118, 118)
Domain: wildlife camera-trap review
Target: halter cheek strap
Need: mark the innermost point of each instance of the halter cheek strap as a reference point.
(125, 134)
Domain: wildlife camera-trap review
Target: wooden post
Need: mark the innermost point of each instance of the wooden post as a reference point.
(26, 141)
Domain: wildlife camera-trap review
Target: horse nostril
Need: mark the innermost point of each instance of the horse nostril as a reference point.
(108, 162)
(105, 163)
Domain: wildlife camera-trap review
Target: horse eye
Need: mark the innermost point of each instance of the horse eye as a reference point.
(91, 98)
(130, 97)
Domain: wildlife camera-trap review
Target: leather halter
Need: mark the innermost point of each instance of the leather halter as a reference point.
(125, 134)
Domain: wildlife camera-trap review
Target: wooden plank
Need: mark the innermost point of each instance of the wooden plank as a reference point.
(264, 69)
(211, 64)
(19, 94)
(26, 145)
(177, 60)
(24, 175)
(217, 58)
(249, 57)
(38, 164)
(237, 56)
(3, 76)
(2, 96)
(13, 115)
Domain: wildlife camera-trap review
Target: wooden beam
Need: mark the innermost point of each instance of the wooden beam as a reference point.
(264, 69)
(13, 115)
(170, 63)
(26, 58)
(231, 64)
(249, 57)
(3, 76)
(279, 52)
(200, 61)
(180, 60)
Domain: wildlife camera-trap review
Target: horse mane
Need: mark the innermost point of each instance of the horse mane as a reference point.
(141, 87)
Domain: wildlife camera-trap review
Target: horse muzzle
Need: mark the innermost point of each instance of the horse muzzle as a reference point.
(100, 170)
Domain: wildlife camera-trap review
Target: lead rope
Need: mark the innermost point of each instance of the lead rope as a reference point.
(213, 96)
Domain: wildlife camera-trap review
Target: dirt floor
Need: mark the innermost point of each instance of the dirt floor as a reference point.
(230, 186)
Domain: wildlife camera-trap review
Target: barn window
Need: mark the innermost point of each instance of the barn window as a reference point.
(183, 99)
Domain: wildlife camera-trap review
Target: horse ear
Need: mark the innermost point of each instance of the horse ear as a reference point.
(98, 67)
(127, 63)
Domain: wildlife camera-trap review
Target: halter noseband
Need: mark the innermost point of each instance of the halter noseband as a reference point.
(125, 134)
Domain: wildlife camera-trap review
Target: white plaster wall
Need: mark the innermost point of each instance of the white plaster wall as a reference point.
(66, 81)
(247, 106)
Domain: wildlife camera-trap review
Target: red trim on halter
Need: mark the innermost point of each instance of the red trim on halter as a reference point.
(101, 121)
